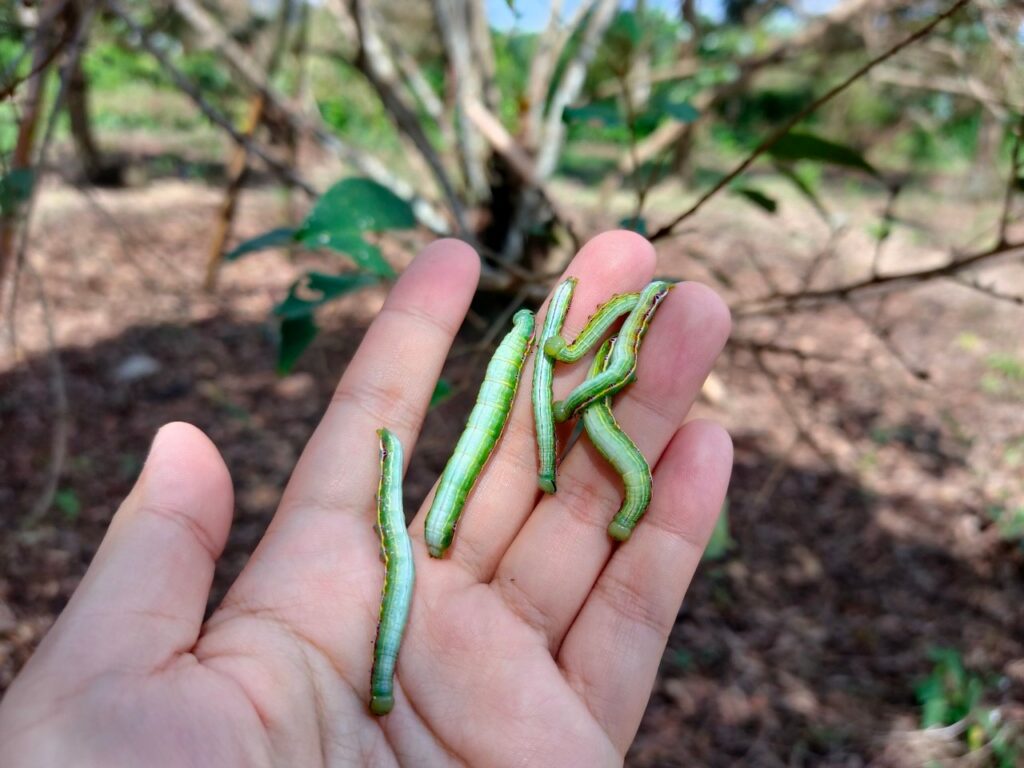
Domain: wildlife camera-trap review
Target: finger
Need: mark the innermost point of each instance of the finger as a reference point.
(506, 491)
(320, 549)
(390, 379)
(611, 653)
(565, 542)
(141, 602)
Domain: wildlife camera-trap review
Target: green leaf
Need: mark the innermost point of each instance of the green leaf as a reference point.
(275, 238)
(626, 27)
(296, 335)
(808, 146)
(721, 542)
(442, 391)
(757, 197)
(804, 187)
(15, 189)
(605, 112)
(357, 205)
(316, 288)
(934, 708)
(365, 255)
(637, 224)
(66, 500)
(683, 111)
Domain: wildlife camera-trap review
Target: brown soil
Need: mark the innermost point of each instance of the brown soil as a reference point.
(864, 535)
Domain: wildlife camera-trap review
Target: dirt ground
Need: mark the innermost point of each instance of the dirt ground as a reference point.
(863, 507)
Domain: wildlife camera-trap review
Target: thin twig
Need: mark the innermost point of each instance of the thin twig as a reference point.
(988, 290)
(885, 339)
(819, 259)
(212, 114)
(767, 347)
(58, 386)
(372, 59)
(61, 411)
(790, 410)
(553, 131)
(39, 65)
(806, 299)
(773, 138)
(885, 227)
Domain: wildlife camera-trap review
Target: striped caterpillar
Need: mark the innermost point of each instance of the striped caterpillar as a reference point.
(399, 576)
(486, 422)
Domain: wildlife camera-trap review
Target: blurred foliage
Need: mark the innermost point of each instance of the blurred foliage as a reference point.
(871, 132)
(954, 696)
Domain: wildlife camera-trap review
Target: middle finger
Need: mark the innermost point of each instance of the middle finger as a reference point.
(506, 491)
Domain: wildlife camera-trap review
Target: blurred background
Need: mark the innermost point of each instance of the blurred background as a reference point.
(203, 202)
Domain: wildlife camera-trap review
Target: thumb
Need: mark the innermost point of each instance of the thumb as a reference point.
(141, 603)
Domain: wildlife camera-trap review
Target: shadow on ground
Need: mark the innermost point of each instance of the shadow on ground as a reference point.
(801, 647)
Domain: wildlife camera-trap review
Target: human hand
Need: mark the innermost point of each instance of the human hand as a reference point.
(534, 642)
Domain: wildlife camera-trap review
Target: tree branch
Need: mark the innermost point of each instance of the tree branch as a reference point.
(569, 87)
(519, 161)
(212, 114)
(373, 61)
(40, 63)
(988, 290)
(783, 302)
(254, 76)
(454, 23)
(773, 138)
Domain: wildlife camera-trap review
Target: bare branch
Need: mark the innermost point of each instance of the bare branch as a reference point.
(773, 138)
(239, 163)
(212, 114)
(454, 23)
(884, 337)
(58, 448)
(254, 76)
(767, 347)
(45, 49)
(519, 161)
(784, 50)
(569, 87)
(933, 81)
(988, 290)
(483, 52)
(373, 61)
(805, 299)
(542, 67)
(416, 81)
(50, 14)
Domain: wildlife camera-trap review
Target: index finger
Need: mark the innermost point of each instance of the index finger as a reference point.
(326, 508)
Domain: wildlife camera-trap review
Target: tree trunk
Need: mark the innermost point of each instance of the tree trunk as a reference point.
(240, 157)
(93, 167)
(47, 37)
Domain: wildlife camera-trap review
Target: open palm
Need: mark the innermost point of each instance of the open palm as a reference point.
(534, 642)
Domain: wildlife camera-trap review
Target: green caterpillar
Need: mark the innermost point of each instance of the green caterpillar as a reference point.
(620, 369)
(543, 375)
(399, 575)
(486, 421)
(618, 305)
(621, 452)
